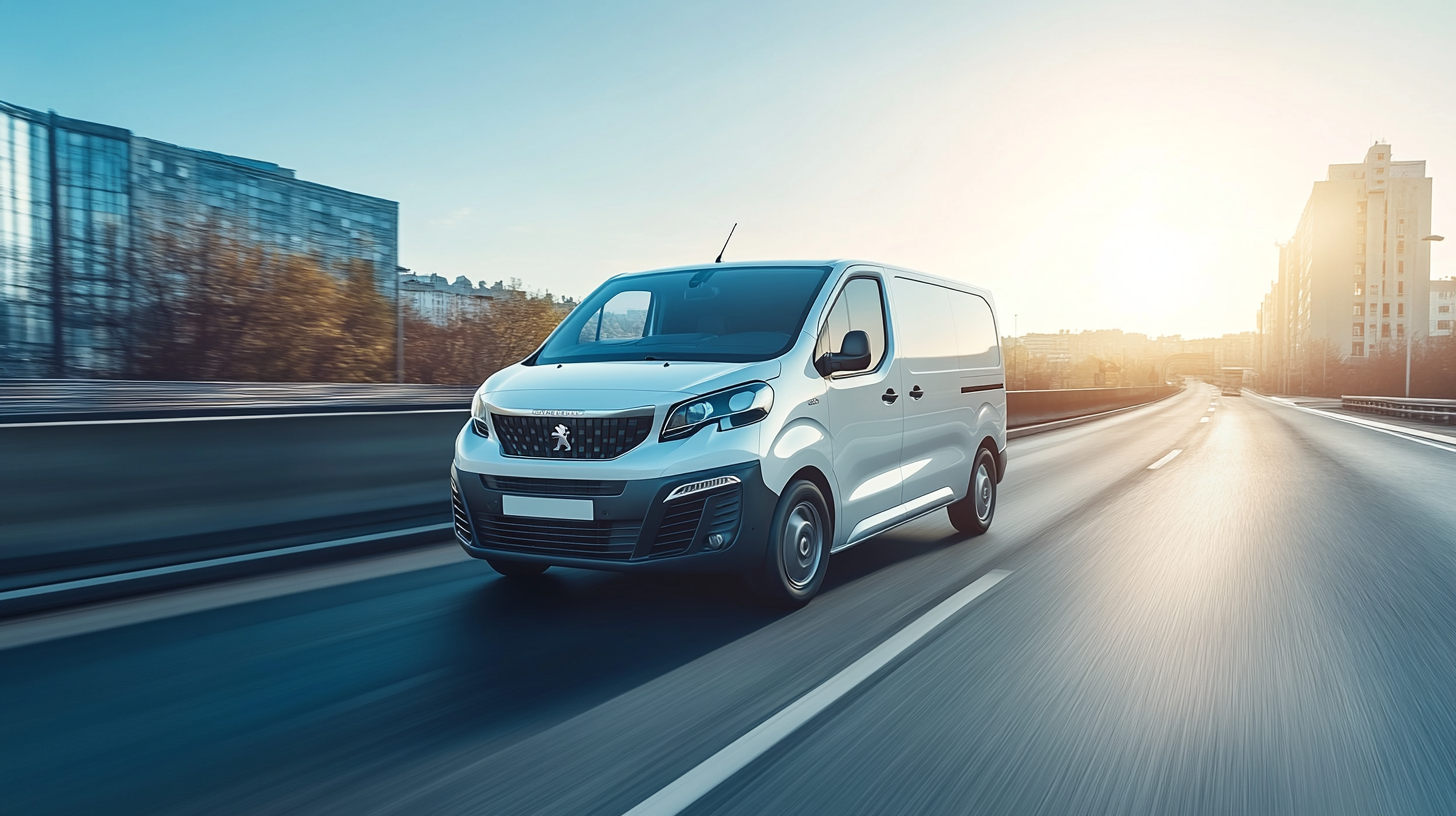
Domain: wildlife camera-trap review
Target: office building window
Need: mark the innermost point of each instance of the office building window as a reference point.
(1358, 330)
(1400, 287)
(1360, 228)
(1400, 247)
(1359, 289)
(1380, 157)
(1443, 325)
(1359, 206)
(1400, 330)
(1380, 171)
(1359, 310)
(1400, 310)
(1357, 349)
(1385, 310)
(1400, 267)
(1400, 228)
(1384, 329)
(1359, 249)
(1443, 310)
(1359, 269)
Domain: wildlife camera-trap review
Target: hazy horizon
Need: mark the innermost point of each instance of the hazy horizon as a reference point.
(1096, 166)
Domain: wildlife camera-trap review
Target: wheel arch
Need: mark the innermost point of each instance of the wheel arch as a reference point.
(998, 458)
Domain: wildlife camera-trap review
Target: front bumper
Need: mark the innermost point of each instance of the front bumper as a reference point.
(633, 528)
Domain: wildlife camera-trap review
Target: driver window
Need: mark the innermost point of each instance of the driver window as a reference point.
(860, 307)
(624, 317)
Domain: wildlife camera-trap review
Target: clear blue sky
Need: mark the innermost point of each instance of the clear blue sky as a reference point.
(1097, 165)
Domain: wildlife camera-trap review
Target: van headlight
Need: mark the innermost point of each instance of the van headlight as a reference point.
(477, 415)
(730, 408)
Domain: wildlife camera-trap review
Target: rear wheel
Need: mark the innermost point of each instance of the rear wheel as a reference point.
(972, 515)
(798, 547)
(516, 569)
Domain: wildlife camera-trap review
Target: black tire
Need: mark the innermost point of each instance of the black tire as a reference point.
(973, 514)
(798, 548)
(516, 569)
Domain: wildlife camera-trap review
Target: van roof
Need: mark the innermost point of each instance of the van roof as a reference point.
(836, 262)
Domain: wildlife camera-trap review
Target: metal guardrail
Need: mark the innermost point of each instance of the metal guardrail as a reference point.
(1430, 410)
(22, 400)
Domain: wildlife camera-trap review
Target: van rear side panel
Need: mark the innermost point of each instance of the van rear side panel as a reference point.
(952, 358)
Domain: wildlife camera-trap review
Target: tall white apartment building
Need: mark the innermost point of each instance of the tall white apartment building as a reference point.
(1443, 307)
(1356, 272)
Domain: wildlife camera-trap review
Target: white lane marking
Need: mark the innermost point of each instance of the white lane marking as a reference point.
(150, 420)
(1203, 419)
(101, 580)
(100, 617)
(1166, 459)
(713, 771)
(1212, 409)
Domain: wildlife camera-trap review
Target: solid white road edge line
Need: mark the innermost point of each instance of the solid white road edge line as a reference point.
(1165, 460)
(151, 420)
(1418, 436)
(214, 562)
(713, 771)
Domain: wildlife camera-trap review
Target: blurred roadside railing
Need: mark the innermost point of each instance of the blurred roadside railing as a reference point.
(1028, 408)
(61, 400)
(1429, 410)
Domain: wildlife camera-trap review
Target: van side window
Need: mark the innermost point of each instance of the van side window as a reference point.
(976, 332)
(926, 329)
(860, 307)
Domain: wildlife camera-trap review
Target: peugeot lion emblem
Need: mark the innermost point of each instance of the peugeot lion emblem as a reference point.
(560, 435)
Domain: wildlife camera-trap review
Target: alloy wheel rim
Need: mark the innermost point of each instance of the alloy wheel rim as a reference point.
(984, 492)
(803, 544)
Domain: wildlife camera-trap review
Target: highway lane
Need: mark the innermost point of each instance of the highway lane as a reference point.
(1262, 624)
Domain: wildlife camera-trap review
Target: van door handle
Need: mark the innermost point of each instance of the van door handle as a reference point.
(889, 396)
(916, 393)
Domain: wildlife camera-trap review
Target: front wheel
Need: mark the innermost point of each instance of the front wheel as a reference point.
(972, 515)
(516, 569)
(798, 547)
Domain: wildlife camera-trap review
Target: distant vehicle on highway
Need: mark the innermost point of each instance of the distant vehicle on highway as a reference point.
(748, 417)
(1231, 382)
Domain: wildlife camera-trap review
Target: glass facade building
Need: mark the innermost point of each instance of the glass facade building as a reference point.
(65, 287)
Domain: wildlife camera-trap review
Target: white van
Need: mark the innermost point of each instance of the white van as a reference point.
(746, 417)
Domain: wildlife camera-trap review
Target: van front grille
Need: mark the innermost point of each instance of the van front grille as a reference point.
(607, 540)
(553, 487)
(542, 437)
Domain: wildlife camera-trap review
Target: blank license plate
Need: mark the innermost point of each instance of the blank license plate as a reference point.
(538, 507)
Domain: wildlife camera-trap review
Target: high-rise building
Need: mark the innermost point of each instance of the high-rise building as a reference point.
(77, 200)
(1443, 308)
(1356, 272)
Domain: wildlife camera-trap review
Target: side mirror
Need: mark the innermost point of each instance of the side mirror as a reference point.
(853, 355)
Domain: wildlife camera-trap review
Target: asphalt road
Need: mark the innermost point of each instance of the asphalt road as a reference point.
(1266, 623)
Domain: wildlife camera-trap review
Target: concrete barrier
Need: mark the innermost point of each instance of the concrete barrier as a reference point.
(1025, 408)
(80, 500)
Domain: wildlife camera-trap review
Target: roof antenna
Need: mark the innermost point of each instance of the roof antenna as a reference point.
(725, 243)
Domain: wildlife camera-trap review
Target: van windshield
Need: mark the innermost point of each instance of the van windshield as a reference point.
(715, 314)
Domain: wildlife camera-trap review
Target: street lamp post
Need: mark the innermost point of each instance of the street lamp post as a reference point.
(1410, 339)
